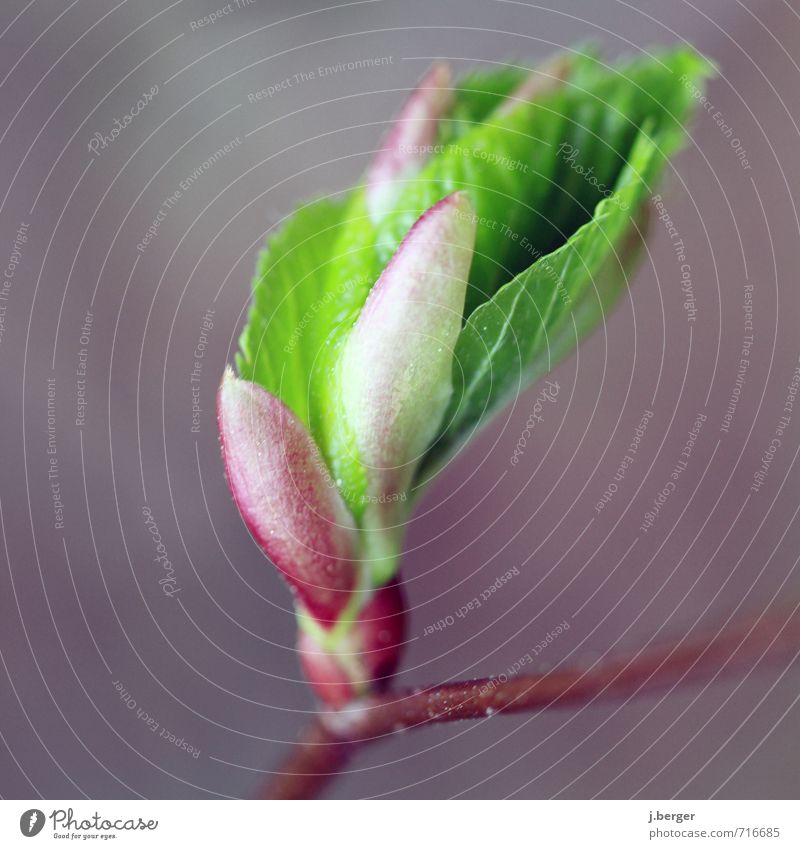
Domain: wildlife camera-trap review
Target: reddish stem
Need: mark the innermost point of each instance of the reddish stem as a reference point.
(325, 747)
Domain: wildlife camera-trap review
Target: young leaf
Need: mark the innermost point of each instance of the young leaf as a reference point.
(516, 336)
(395, 373)
(289, 319)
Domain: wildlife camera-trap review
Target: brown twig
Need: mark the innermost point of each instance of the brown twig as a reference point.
(325, 747)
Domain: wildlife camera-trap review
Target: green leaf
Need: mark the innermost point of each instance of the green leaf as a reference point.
(290, 317)
(539, 316)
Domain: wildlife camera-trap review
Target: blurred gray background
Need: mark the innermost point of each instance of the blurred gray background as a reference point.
(86, 631)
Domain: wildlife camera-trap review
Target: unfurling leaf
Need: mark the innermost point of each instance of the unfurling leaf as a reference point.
(497, 226)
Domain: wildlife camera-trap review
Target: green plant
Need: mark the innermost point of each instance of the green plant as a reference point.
(497, 227)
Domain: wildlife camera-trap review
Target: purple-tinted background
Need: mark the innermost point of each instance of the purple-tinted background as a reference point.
(81, 607)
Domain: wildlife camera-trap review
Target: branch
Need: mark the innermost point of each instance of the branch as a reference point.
(326, 746)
